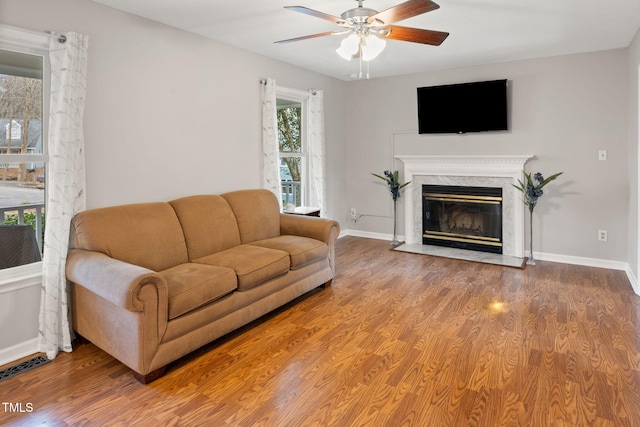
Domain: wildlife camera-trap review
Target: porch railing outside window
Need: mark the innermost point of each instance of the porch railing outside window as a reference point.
(31, 214)
(291, 192)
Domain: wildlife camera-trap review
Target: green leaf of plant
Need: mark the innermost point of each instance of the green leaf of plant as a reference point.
(549, 179)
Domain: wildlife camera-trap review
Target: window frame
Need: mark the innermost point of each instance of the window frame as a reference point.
(301, 97)
(37, 44)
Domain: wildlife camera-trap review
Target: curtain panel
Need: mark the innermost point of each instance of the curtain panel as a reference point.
(65, 185)
(270, 147)
(317, 192)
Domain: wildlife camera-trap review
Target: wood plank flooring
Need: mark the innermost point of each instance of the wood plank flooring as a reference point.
(398, 340)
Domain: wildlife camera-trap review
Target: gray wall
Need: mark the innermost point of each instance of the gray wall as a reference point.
(169, 113)
(563, 110)
(633, 160)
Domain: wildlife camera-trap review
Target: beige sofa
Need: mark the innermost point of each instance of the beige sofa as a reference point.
(152, 282)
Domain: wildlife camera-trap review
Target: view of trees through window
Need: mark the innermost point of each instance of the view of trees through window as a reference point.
(22, 161)
(292, 153)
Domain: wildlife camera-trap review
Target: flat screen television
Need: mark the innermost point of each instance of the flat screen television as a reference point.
(463, 107)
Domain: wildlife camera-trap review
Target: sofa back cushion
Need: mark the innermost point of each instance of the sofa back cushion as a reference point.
(257, 213)
(208, 223)
(144, 234)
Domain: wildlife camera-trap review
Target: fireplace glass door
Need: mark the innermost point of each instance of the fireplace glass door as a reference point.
(462, 217)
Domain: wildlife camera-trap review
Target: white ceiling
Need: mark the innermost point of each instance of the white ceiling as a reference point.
(481, 31)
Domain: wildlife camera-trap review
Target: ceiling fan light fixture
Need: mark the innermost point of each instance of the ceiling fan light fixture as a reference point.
(349, 47)
(372, 46)
(343, 54)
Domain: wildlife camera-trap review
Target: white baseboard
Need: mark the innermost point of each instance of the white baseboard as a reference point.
(565, 259)
(593, 262)
(371, 235)
(632, 279)
(576, 260)
(18, 351)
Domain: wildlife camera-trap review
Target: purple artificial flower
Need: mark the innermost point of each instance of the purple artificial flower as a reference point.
(391, 178)
(533, 191)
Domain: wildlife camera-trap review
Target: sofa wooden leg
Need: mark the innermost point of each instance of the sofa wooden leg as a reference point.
(151, 376)
(327, 284)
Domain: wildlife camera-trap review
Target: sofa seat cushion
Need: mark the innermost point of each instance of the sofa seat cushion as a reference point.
(193, 285)
(301, 250)
(252, 264)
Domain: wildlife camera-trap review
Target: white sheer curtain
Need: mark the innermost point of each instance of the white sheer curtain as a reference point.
(317, 193)
(65, 185)
(270, 147)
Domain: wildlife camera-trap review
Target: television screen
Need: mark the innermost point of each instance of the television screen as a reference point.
(464, 107)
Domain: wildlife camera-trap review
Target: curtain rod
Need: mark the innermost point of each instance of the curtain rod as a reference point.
(61, 37)
(312, 91)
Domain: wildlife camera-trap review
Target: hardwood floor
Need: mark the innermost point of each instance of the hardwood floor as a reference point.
(399, 339)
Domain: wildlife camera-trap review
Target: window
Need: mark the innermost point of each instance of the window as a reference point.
(22, 157)
(293, 145)
(292, 141)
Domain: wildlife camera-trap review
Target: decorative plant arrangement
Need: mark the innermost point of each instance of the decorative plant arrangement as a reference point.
(532, 191)
(391, 178)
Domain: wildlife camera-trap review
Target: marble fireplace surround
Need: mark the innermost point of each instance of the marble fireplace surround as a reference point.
(467, 170)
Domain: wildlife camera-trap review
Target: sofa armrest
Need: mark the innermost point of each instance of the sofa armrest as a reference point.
(120, 307)
(325, 230)
(116, 281)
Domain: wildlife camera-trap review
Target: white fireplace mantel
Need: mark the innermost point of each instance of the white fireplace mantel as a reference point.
(470, 170)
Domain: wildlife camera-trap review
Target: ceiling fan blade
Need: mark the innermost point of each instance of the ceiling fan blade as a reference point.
(311, 36)
(416, 35)
(318, 14)
(404, 10)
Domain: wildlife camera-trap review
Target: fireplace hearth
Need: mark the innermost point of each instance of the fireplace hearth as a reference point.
(462, 217)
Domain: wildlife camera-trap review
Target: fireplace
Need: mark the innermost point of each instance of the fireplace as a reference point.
(466, 171)
(463, 217)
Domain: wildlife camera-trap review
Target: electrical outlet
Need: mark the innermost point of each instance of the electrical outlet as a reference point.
(602, 235)
(354, 214)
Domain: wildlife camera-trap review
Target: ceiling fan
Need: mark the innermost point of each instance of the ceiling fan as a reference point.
(367, 29)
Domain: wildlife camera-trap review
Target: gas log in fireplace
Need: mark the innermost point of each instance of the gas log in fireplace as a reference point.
(462, 217)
